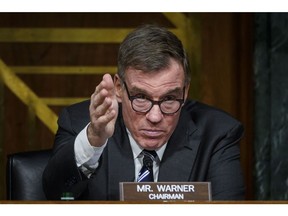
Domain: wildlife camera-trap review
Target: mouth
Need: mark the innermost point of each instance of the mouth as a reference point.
(152, 134)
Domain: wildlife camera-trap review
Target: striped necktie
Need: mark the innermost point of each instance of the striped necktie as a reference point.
(146, 172)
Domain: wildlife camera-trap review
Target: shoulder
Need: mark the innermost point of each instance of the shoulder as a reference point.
(83, 105)
(206, 116)
(77, 108)
(75, 115)
(201, 111)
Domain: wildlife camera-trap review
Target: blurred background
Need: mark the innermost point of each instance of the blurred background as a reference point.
(239, 63)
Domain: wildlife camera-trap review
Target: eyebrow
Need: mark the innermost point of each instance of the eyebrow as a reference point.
(176, 90)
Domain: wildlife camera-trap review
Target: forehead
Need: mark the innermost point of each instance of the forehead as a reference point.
(167, 78)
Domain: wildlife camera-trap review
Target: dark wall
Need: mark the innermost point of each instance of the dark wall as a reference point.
(271, 106)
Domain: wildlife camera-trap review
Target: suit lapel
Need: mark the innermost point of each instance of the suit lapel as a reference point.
(178, 159)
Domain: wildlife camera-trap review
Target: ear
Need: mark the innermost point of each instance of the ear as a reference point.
(186, 91)
(118, 88)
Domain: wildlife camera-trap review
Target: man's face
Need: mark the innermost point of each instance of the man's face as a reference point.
(152, 129)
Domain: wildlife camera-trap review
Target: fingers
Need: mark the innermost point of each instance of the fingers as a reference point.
(104, 93)
(103, 90)
(107, 84)
(103, 108)
(100, 101)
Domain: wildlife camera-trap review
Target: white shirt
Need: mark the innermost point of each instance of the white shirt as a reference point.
(87, 156)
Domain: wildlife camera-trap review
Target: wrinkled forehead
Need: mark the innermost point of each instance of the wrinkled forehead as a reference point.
(173, 71)
(156, 83)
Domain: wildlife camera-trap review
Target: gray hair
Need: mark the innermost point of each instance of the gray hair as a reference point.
(150, 48)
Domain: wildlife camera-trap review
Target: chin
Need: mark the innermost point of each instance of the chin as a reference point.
(152, 144)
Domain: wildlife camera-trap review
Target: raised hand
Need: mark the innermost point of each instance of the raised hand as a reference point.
(103, 112)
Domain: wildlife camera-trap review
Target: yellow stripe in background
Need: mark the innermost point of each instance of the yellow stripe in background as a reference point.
(28, 97)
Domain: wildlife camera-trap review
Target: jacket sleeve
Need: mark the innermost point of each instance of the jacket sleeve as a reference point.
(61, 174)
(225, 171)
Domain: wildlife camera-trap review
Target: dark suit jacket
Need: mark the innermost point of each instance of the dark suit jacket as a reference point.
(203, 147)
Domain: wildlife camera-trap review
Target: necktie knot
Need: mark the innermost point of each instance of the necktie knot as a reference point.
(149, 157)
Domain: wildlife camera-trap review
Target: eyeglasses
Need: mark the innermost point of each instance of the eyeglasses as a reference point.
(140, 103)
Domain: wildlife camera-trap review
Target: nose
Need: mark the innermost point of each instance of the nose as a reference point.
(154, 115)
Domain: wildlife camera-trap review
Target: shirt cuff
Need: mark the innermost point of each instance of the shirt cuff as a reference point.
(85, 153)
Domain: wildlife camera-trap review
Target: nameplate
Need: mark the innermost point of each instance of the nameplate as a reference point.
(165, 191)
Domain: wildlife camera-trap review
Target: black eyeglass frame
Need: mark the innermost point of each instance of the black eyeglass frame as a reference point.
(131, 98)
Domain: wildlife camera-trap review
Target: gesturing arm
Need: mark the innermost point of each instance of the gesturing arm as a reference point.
(62, 173)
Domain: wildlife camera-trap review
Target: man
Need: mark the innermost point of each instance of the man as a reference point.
(99, 142)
